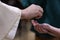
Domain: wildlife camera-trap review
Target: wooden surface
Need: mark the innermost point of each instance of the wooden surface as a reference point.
(31, 36)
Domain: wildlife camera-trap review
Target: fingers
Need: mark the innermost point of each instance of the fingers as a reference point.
(33, 11)
(46, 28)
(35, 23)
(38, 27)
(40, 12)
(41, 29)
(39, 15)
(40, 8)
(51, 30)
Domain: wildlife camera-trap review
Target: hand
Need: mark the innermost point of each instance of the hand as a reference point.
(46, 28)
(38, 27)
(33, 11)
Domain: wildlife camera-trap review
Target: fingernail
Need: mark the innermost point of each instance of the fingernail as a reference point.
(34, 22)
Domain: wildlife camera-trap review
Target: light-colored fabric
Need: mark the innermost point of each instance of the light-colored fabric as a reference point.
(12, 33)
(8, 18)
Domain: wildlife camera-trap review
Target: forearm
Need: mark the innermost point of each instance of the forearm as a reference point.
(54, 31)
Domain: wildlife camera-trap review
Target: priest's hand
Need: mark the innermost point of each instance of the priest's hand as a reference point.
(46, 28)
(33, 11)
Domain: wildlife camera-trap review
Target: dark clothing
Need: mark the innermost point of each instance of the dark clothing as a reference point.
(14, 3)
(51, 12)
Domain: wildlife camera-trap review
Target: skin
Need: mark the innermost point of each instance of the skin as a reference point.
(46, 28)
(33, 11)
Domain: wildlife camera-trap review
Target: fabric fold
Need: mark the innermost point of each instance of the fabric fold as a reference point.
(8, 17)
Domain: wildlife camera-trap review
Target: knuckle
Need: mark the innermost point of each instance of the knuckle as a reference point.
(40, 8)
(34, 5)
(39, 13)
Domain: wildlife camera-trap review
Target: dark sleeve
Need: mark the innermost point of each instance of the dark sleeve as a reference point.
(26, 3)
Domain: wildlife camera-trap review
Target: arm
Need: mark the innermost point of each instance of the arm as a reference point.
(52, 30)
(9, 16)
(46, 28)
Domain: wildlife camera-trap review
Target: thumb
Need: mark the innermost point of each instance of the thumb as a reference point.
(35, 23)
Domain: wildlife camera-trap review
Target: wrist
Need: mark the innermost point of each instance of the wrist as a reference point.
(23, 14)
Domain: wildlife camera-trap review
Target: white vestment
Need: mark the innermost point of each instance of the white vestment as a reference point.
(9, 19)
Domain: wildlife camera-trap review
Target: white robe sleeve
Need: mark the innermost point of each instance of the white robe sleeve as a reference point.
(8, 17)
